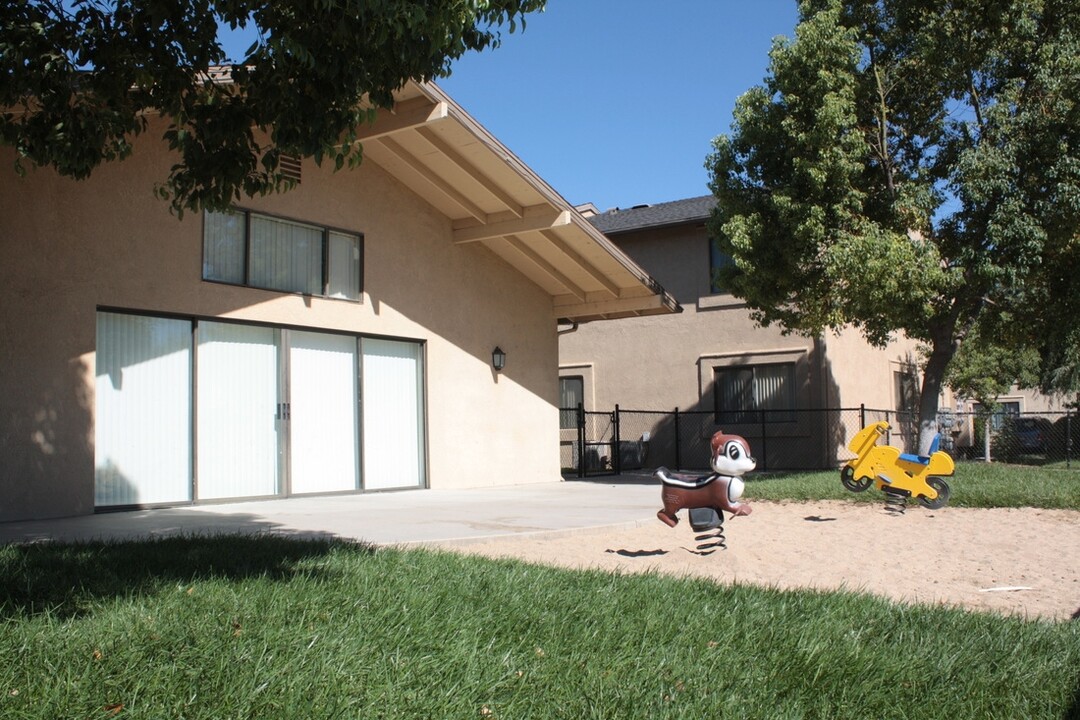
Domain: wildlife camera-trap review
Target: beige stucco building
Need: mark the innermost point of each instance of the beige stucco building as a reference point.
(335, 338)
(714, 361)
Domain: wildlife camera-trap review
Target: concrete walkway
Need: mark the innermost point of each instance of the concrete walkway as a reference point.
(415, 516)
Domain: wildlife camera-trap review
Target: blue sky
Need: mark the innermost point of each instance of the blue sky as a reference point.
(615, 102)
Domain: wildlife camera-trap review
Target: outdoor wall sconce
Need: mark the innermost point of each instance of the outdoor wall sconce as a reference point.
(498, 359)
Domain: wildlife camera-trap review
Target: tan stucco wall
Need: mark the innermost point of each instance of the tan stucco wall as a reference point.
(68, 248)
(660, 363)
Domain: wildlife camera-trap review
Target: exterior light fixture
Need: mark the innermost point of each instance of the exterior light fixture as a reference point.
(498, 358)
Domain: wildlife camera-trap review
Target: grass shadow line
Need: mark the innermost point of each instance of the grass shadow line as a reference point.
(62, 579)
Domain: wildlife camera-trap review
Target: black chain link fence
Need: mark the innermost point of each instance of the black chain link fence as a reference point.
(607, 443)
(1043, 438)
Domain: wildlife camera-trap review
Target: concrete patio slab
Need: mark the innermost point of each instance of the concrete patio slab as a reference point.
(415, 516)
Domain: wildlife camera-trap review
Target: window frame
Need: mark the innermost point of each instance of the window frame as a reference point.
(564, 412)
(325, 231)
(717, 259)
(283, 342)
(997, 416)
(756, 414)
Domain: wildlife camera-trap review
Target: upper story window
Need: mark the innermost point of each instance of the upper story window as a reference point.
(241, 247)
(717, 259)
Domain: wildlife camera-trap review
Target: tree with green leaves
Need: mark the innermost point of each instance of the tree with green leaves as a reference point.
(79, 79)
(984, 370)
(910, 166)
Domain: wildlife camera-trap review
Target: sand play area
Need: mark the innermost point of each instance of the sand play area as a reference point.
(1021, 561)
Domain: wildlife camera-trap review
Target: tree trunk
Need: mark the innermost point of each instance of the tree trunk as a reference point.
(941, 353)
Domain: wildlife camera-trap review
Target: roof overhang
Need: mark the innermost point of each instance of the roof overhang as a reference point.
(430, 144)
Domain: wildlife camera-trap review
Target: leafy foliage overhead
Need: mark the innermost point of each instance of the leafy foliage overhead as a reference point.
(913, 166)
(79, 79)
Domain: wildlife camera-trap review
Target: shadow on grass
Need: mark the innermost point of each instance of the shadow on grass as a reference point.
(65, 579)
(1073, 713)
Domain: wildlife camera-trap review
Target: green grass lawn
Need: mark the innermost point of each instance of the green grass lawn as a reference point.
(975, 484)
(278, 628)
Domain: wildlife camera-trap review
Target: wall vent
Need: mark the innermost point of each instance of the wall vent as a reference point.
(289, 165)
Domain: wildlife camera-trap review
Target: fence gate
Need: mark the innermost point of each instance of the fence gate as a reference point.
(598, 433)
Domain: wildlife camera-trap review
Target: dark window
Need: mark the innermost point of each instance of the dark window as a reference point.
(907, 391)
(906, 388)
(246, 248)
(755, 393)
(717, 260)
(998, 416)
(571, 394)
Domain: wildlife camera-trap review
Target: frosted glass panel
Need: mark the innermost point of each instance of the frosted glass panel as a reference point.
(142, 410)
(324, 425)
(237, 411)
(393, 404)
(286, 256)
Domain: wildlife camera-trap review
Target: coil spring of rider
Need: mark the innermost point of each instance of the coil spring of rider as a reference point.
(704, 520)
(895, 500)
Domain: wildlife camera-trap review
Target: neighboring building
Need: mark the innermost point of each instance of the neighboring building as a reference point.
(712, 359)
(1023, 421)
(335, 338)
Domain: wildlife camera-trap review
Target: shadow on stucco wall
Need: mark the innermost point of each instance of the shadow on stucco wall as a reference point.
(813, 437)
(47, 438)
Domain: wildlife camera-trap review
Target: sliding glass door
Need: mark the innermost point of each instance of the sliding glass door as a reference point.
(142, 410)
(240, 411)
(207, 410)
(393, 414)
(324, 417)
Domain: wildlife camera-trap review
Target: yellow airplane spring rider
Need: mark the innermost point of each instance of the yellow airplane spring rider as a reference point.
(894, 473)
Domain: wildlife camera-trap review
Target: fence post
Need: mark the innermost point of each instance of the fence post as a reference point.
(862, 415)
(1068, 439)
(678, 442)
(616, 454)
(764, 443)
(581, 440)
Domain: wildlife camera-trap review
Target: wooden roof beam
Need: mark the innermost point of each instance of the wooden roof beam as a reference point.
(584, 264)
(522, 247)
(533, 219)
(406, 115)
(451, 154)
(437, 182)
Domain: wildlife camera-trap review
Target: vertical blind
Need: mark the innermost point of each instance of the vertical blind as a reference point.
(742, 391)
(223, 247)
(324, 414)
(286, 255)
(238, 411)
(246, 248)
(255, 406)
(393, 402)
(142, 410)
(344, 266)
(571, 394)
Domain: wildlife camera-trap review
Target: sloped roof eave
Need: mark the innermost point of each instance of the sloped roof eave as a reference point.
(443, 154)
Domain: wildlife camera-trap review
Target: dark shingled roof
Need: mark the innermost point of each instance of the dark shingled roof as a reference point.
(678, 212)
